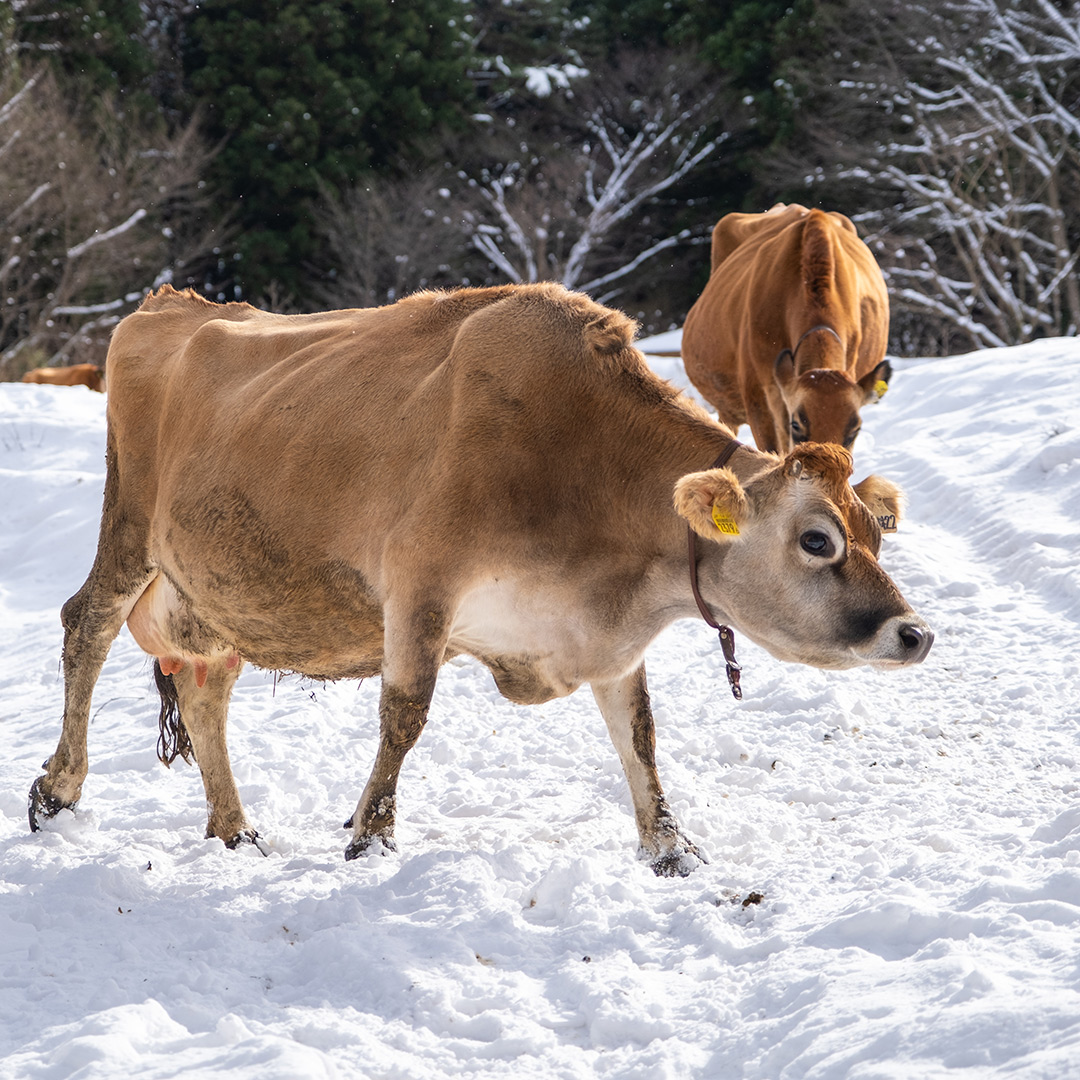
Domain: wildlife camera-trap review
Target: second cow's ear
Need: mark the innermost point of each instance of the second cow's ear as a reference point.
(883, 499)
(874, 383)
(713, 502)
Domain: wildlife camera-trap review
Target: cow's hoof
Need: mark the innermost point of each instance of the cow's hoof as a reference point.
(680, 861)
(41, 805)
(373, 844)
(246, 836)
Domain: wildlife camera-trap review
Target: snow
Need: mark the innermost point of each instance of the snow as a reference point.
(893, 890)
(542, 80)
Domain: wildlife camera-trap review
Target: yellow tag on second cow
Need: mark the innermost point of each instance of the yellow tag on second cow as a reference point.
(724, 521)
(880, 387)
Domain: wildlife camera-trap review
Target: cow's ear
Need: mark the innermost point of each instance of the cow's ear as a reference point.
(713, 502)
(874, 383)
(883, 499)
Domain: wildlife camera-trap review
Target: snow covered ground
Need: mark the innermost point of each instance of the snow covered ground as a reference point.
(914, 837)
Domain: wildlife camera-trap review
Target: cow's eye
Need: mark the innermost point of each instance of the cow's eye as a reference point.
(816, 543)
(799, 434)
(850, 439)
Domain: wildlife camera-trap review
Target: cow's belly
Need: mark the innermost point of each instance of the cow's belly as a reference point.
(535, 647)
(323, 633)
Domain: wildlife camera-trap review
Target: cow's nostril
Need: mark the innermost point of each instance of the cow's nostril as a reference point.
(916, 640)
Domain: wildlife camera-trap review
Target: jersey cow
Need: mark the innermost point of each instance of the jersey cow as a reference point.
(790, 332)
(91, 375)
(485, 471)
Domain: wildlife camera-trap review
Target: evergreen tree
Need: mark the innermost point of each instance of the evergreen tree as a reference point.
(94, 45)
(309, 92)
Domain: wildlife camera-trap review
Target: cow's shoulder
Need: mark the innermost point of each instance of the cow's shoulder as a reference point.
(559, 316)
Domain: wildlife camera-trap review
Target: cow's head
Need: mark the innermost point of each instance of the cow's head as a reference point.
(823, 404)
(793, 561)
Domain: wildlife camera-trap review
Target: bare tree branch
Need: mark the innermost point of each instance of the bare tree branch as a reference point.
(564, 213)
(94, 210)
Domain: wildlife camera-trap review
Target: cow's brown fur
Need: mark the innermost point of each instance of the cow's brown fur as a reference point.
(775, 278)
(91, 375)
(484, 471)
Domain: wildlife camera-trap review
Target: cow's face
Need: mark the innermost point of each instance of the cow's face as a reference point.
(793, 563)
(823, 404)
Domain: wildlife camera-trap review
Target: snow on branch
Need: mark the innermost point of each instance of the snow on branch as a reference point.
(567, 212)
(984, 178)
(109, 234)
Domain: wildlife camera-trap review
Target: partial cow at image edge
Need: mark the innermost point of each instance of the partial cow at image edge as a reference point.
(89, 375)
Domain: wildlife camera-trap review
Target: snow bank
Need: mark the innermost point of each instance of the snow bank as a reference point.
(913, 838)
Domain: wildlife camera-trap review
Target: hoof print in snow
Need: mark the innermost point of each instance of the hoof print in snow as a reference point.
(730, 896)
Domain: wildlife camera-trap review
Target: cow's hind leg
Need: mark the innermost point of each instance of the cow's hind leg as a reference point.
(193, 719)
(91, 618)
(625, 706)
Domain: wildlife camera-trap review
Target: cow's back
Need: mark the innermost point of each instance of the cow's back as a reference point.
(790, 252)
(189, 377)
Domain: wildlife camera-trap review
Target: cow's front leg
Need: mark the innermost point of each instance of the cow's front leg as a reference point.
(624, 704)
(415, 643)
(765, 416)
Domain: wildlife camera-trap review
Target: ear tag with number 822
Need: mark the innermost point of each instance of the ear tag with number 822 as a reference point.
(724, 521)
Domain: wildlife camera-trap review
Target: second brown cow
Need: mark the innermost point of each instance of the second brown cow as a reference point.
(789, 335)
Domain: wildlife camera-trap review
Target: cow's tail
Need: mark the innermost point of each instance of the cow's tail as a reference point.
(173, 739)
(818, 265)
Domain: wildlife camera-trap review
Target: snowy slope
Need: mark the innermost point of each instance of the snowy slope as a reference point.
(915, 837)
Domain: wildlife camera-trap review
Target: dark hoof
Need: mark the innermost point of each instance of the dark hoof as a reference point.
(680, 861)
(248, 836)
(41, 805)
(370, 845)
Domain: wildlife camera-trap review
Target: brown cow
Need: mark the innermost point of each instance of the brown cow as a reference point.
(790, 332)
(484, 471)
(91, 375)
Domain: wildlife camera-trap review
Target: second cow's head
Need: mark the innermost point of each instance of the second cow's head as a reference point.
(823, 404)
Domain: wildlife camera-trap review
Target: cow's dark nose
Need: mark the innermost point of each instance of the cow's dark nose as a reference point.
(917, 641)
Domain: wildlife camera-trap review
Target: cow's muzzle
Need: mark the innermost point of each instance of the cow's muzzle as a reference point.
(901, 641)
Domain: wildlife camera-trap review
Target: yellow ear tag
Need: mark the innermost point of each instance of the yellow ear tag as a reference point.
(880, 387)
(724, 521)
